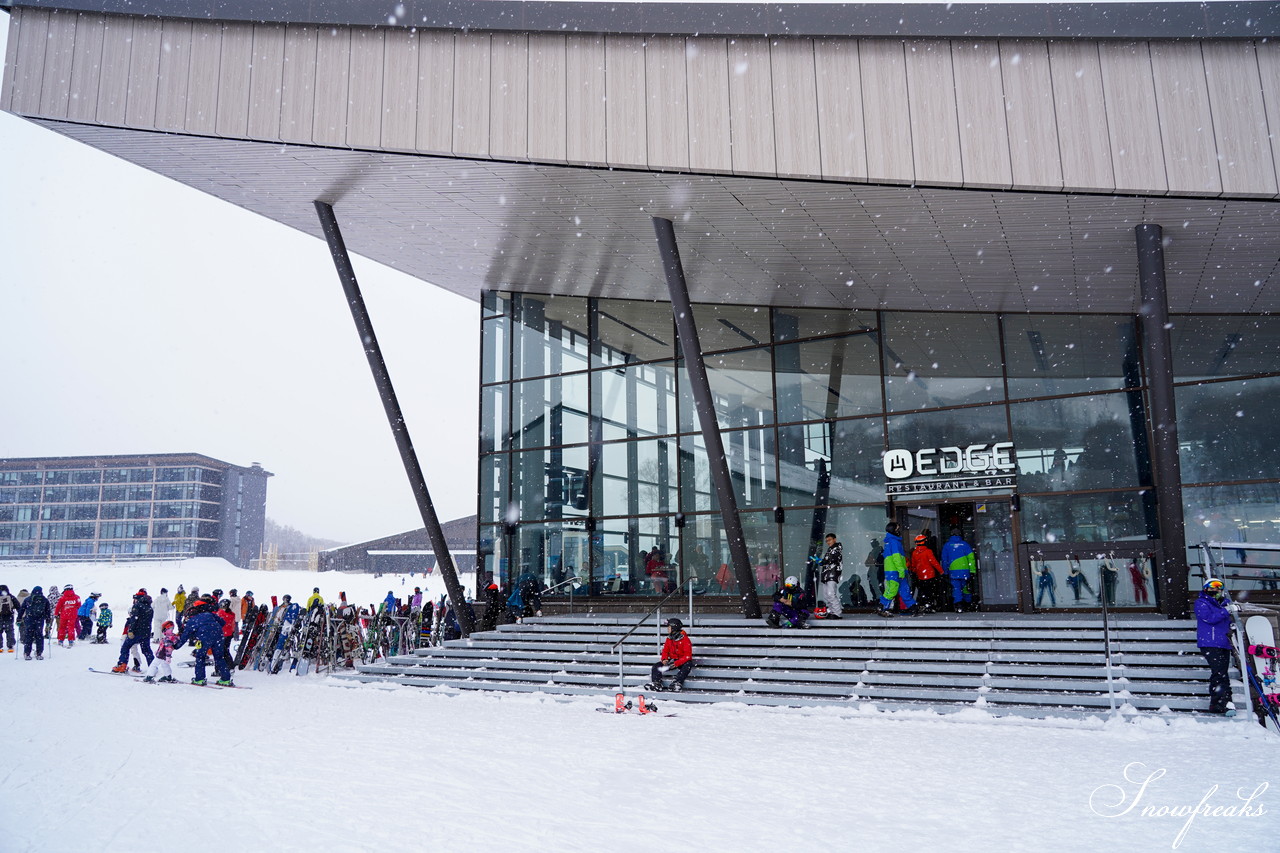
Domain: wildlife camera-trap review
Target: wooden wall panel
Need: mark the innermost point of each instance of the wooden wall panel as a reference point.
(1186, 124)
(471, 94)
(840, 130)
(55, 79)
(233, 79)
(1133, 122)
(935, 128)
(10, 70)
(364, 88)
(113, 87)
(86, 68)
(626, 130)
(667, 111)
(175, 68)
(266, 82)
(707, 79)
(1081, 115)
(399, 130)
(1268, 51)
(547, 97)
(28, 72)
(795, 108)
(202, 82)
(885, 110)
(333, 81)
(984, 135)
(144, 74)
(1239, 118)
(1033, 127)
(586, 136)
(435, 91)
(751, 107)
(509, 97)
(298, 83)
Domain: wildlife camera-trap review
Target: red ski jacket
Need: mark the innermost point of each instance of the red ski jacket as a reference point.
(228, 622)
(678, 650)
(924, 565)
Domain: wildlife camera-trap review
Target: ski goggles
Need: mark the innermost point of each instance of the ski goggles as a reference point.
(1214, 586)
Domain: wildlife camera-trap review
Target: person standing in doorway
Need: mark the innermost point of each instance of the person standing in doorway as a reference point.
(927, 571)
(961, 564)
(830, 570)
(895, 574)
(1213, 637)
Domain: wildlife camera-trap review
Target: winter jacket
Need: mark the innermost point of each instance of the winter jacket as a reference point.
(68, 606)
(314, 600)
(8, 607)
(832, 565)
(228, 622)
(790, 596)
(677, 651)
(895, 559)
(957, 556)
(104, 617)
(179, 602)
(246, 607)
(204, 626)
(924, 565)
(160, 608)
(1213, 622)
(140, 616)
(164, 646)
(86, 607)
(35, 611)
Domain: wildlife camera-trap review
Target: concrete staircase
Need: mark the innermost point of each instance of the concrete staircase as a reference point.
(1004, 664)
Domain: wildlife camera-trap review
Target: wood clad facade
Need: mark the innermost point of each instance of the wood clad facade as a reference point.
(1150, 117)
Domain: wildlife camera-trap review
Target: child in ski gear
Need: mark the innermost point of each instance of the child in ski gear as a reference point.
(34, 613)
(927, 571)
(789, 609)
(677, 657)
(205, 628)
(895, 572)
(104, 622)
(830, 570)
(137, 630)
(228, 625)
(68, 612)
(961, 564)
(84, 616)
(8, 610)
(161, 664)
(1213, 636)
(236, 612)
(492, 607)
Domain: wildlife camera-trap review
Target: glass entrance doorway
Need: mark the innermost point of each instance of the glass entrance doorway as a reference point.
(987, 525)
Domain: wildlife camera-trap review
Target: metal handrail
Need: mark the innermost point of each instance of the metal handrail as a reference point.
(575, 581)
(645, 618)
(1106, 633)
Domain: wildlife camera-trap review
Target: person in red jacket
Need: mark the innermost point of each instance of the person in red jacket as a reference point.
(677, 656)
(228, 617)
(67, 610)
(928, 571)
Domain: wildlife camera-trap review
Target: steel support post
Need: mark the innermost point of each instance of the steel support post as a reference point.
(691, 349)
(381, 378)
(1158, 357)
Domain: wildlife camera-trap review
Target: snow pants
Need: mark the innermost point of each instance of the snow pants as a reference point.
(67, 628)
(142, 641)
(831, 594)
(159, 668)
(1219, 684)
(960, 587)
(101, 637)
(86, 625)
(6, 632)
(789, 617)
(33, 633)
(1046, 587)
(893, 587)
(681, 673)
(221, 663)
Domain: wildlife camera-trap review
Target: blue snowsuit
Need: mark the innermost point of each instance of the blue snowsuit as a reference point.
(207, 629)
(959, 561)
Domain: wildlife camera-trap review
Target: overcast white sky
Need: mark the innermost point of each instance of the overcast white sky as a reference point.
(138, 315)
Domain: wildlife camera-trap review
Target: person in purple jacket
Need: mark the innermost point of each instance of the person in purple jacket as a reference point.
(1213, 636)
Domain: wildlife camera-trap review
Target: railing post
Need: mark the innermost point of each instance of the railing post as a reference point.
(1106, 642)
(691, 580)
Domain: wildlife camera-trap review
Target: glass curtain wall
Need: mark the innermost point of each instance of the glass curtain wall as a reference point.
(592, 463)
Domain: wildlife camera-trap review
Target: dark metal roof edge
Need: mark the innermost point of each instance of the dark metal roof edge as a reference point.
(1134, 19)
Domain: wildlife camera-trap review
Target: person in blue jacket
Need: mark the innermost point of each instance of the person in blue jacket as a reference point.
(1213, 636)
(204, 626)
(85, 615)
(960, 563)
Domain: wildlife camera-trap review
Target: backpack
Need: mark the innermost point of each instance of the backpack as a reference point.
(6, 606)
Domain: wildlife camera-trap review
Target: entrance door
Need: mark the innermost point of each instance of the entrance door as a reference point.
(987, 525)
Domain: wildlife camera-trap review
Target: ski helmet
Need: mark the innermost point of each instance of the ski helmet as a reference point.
(1213, 585)
(892, 528)
(225, 604)
(675, 626)
(791, 580)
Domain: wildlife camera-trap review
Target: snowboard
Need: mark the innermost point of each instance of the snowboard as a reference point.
(1259, 632)
(1264, 652)
(250, 636)
(308, 649)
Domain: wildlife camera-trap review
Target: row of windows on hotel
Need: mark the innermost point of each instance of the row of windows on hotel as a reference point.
(190, 547)
(75, 494)
(85, 476)
(92, 512)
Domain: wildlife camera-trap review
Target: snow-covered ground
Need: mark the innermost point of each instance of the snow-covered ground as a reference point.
(93, 762)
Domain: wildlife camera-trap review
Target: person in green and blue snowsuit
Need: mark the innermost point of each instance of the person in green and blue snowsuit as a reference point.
(961, 564)
(895, 573)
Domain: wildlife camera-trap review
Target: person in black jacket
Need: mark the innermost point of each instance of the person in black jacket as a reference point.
(137, 630)
(8, 610)
(493, 607)
(34, 613)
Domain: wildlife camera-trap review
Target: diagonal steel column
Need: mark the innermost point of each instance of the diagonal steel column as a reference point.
(701, 387)
(1158, 352)
(347, 274)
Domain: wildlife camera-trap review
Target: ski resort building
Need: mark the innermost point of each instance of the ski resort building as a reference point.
(164, 505)
(410, 551)
(750, 273)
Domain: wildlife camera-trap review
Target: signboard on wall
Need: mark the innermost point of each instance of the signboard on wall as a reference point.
(977, 467)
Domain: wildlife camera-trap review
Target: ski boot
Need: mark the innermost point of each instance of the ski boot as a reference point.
(224, 682)
(137, 667)
(677, 687)
(39, 657)
(655, 686)
(149, 680)
(199, 682)
(120, 667)
(26, 656)
(168, 679)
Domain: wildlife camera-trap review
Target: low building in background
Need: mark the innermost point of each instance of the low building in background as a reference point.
(407, 552)
(106, 507)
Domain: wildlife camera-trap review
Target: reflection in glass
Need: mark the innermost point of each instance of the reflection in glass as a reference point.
(636, 400)
(722, 327)
(1216, 347)
(750, 454)
(550, 335)
(1099, 517)
(637, 478)
(858, 529)
(936, 360)
(632, 331)
(829, 378)
(790, 324)
(550, 411)
(824, 463)
(1248, 513)
(550, 483)
(1093, 442)
(1227, 430)
(1050, 354)
(495, 347)
(552, 551)
(741, 388)
(494, 431)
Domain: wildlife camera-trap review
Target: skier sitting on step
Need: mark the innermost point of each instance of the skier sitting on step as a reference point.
(677, 657)
(789, 609)
(204, 626)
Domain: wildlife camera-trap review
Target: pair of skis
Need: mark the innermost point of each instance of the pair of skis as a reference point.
(622, 705)
(141, 678)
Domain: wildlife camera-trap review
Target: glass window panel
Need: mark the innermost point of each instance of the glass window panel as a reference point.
(1247, 513)
(633, 331)
(858, 529)
(83, 477)
(550, 335)
(722, 327)
(29, 495)
(1080, 443)
(56, 495)
(703, 540)
(550, 483)
(791, 324)
(82, 512)
(825, 463)
(1218, 347)
(550, 411)
(636, 400)
(30, 478)
(493, 557)
(53, 513)
(936, 360)
(1098, 517)
(829, 378)
(494, 429)
(495, 302)
(952, 428)
(172, 475)
(1080, 582)
(551, 551)
(751, 457)
(741, 388)
(84, 493)
(8, 478)
(57, 478)
(1227, 430)
(495, 350)
(637, 478)
(493, 488)
(8, 496)
(1054, 354)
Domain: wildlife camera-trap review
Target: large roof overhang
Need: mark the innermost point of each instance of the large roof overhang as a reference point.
(470, 225)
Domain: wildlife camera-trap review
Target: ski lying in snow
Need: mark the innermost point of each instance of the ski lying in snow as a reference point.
(137, 675)
(215, 685)
(1264, 651)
